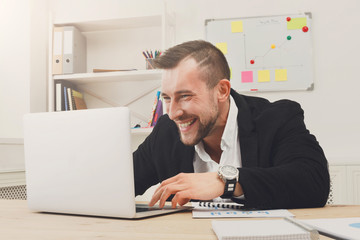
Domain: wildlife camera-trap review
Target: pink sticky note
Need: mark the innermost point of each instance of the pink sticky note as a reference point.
(247, 76)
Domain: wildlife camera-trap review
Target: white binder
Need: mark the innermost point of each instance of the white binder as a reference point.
(57, 50)
(74, 51)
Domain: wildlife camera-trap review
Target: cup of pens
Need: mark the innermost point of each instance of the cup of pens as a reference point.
(150, 63)
(149, 58)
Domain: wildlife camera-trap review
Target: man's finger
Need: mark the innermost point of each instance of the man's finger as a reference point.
(168, 190)
(181, 198)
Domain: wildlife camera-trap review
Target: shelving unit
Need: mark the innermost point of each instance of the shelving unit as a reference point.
(136, 75)
(118, 44)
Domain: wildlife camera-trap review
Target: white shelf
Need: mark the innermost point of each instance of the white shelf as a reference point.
(136, 75)
(116, 24)
(11, 141)
(141, 131)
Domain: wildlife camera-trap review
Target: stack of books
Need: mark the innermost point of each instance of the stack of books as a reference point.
(67, 98)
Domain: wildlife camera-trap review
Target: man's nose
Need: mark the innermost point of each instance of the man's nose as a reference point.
(174, 111)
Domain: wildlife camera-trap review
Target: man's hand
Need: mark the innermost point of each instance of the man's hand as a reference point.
(187, 186)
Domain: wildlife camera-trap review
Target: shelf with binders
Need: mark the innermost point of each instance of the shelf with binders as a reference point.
(115, 47)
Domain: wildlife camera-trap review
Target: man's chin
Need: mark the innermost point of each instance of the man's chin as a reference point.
(189, 142)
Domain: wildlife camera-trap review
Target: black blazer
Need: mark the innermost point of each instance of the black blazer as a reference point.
(283, 165)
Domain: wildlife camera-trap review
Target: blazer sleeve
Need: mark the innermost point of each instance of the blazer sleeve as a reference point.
(293, 170)
(144, 167)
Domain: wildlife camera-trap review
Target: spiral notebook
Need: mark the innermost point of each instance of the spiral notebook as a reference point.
(263, 230)
(233, 210)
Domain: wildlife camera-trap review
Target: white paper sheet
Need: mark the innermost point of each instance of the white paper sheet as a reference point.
(345, 228)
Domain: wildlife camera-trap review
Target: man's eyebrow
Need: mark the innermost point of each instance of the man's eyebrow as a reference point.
(183, 91)
(177, 92)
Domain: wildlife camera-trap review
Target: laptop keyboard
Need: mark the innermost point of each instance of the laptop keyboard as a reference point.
(145, 208)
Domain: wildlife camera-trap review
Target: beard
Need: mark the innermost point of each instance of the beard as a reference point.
(205, 128)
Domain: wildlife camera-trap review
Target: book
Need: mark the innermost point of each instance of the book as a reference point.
(78, 99)
(263, 230)
(65, 99)
(158, 112)
(70, 99)
(154, 109)
(61, 95)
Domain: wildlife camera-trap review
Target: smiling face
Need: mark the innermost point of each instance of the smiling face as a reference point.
(189, 102)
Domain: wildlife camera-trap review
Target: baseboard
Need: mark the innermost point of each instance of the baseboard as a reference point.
(12, 178)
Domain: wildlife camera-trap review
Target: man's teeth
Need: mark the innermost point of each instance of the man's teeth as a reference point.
(184, 125)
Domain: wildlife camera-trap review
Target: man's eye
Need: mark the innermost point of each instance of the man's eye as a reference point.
(166, 99)
(185, 96)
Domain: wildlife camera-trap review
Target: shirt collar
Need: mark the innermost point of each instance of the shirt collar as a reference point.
(230, 127)
(228, 136)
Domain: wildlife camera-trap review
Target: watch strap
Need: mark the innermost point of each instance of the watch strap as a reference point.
(229, 188)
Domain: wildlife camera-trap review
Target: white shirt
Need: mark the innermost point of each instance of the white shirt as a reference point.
(230, 146)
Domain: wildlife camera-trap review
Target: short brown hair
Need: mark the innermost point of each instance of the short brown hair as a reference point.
(210, 59)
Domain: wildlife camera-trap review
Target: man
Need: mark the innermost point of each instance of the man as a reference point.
(215, 142)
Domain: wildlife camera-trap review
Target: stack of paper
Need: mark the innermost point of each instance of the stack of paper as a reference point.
(338, 228)
(279, 229)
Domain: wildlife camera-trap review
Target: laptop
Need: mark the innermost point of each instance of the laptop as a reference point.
(80, 162)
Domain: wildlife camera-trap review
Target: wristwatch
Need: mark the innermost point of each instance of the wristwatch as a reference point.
(230, 176)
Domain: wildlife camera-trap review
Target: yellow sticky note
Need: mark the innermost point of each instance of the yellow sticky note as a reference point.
(222, 46)
(237, 26)
(263, 76)
(280, 75)
(230, 73)
(296, 23)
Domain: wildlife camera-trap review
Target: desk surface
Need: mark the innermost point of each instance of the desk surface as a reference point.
(17, 222)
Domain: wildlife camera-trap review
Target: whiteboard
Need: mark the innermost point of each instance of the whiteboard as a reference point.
(271, 53)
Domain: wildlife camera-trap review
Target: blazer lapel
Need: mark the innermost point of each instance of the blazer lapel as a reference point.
(247, 135)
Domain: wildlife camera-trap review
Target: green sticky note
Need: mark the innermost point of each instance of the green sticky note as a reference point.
(222, 46)
(280, 75)
(296, 23)
(263, 76)
(236, 26)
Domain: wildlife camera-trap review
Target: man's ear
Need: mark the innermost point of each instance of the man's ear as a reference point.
(224, 87)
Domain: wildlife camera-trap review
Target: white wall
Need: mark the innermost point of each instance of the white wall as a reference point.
(14, 66)
(331, 111)
(23, 47)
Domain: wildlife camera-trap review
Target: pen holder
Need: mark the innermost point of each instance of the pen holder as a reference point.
(150, 63)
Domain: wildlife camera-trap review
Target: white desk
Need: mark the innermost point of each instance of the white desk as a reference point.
(17, 222)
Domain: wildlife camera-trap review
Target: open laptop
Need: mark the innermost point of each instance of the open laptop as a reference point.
(80, 162)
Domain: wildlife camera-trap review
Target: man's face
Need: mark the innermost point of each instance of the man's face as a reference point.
(189, 102)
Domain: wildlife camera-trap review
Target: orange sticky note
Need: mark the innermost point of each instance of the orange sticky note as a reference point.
(236, 26)
(222, 46)
(280, 75)
(263, 76)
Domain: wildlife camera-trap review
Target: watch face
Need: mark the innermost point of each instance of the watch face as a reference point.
(229, 171)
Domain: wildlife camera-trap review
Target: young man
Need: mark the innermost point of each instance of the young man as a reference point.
(215, 142)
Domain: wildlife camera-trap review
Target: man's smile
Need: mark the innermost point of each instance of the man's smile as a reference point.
(186, 125)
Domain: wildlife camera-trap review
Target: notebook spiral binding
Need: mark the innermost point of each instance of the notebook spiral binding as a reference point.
(221, 205)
